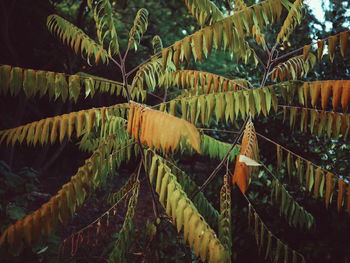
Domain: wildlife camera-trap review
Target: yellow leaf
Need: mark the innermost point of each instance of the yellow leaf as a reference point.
(204, 247)
(53, 135)
(193, 223)
(198, 44)
(337, 91)
(187, 49)
(208, 39)
(63, 127)
(318, 179)
(329, 188)
(306, 51)
(80, 121)
(179, 213)
(187, 215)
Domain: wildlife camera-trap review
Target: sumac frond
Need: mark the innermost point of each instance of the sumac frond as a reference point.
(225, 222)
(105, 24)
(160, 130)
(139, 27)
(76, 39)
(197, 233)
(316, 180)
(57, 85)
(319, 122)
(294, 213)
(269, 245)
(62, 206)
(224, 106)
(249, 149)
(292, 20)
(226, 34)
(205, 11)
(49, 130)
(294, 68)
(125, 235)
(202, 82)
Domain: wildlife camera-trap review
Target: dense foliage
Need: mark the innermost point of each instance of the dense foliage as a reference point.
(223, 141)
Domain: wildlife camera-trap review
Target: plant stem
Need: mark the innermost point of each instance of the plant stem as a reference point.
(154, 201)
(268, 65)
(115, 62)
(216, 170)
(125, 77)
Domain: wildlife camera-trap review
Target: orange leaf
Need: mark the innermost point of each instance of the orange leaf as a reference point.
(341, 192)
(28, 229)
(241, 176)
(216, 84)
(161, 130)
(249, 149)
(337, 91)
(345, 97)
(37, 226)
(136, 122)
(177, 51)
(46, 217)
(325, 93)
(11, 235)
(315, 90)
(210, 82)
(332, 41)
(320, 47)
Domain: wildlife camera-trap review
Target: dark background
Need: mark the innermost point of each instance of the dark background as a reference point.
(26, 42)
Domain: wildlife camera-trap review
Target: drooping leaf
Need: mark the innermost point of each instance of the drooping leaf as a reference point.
(139, 27)
(249, 148)
(205, 11)
(77, 39)
(105, 24)
(160, 130)
(60, 127)
(60, 208)
(186, 216)
(292, 20)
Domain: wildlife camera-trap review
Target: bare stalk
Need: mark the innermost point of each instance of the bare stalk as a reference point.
(217, 168)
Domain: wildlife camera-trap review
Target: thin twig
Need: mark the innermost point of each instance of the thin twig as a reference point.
(268, 66)
(311, 109)
(297, 155)
(161, 99)
(300, 49)
(265, 226)
(216, 170)
(154, 201)
(260, 61)
(165, 94)
(115, 62)
(141, 64)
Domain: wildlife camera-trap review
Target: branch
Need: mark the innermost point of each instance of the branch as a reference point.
(216, 170)
(154, 200)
